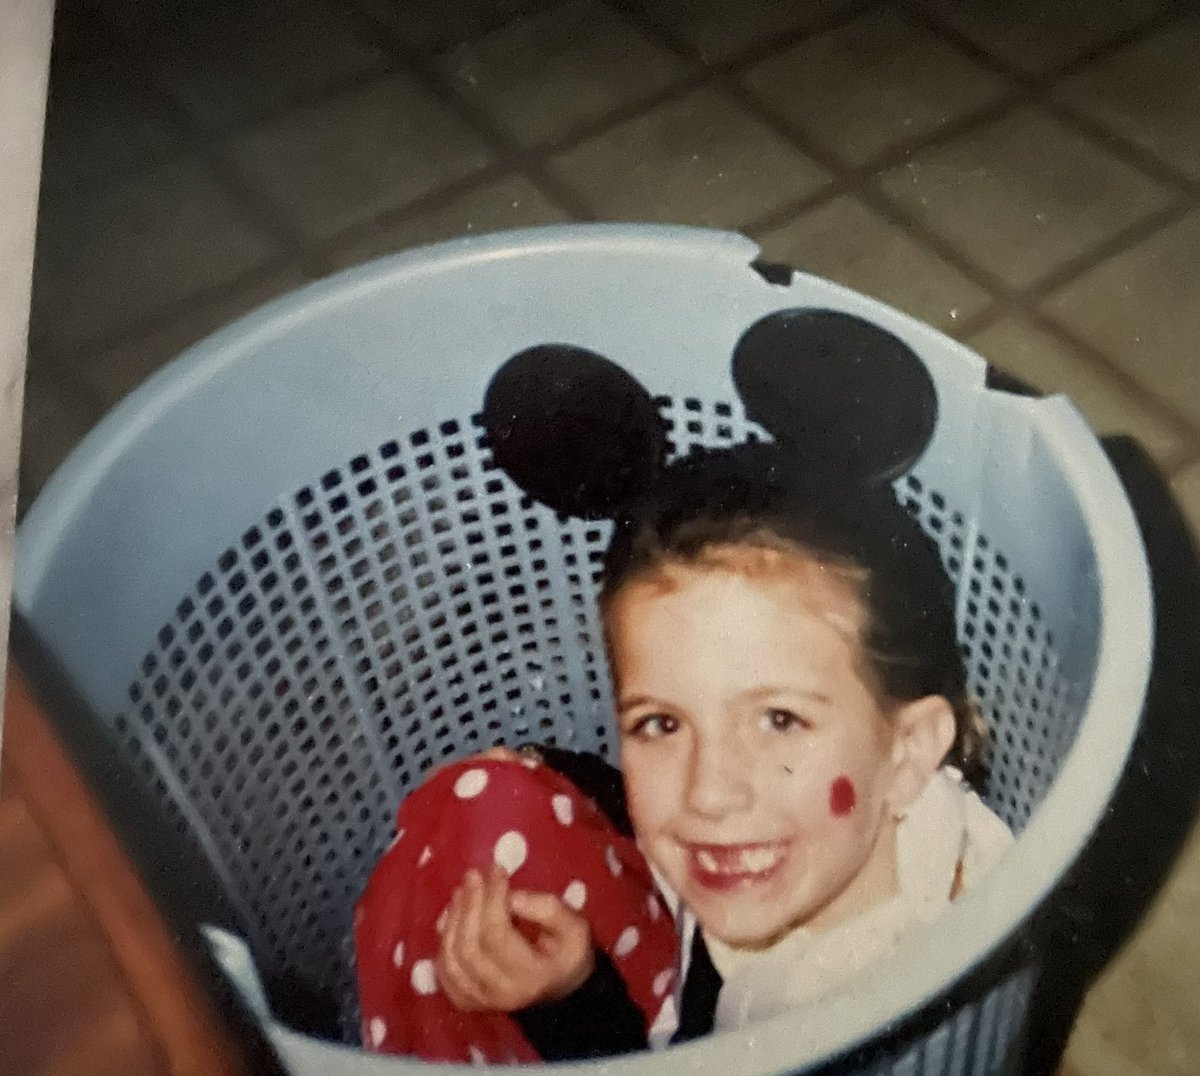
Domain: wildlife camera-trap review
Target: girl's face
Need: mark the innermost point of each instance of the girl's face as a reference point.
(761, 771)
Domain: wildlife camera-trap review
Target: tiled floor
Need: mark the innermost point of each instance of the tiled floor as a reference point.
(1025, 176)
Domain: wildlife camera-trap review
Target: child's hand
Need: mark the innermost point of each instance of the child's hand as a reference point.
(488, 964)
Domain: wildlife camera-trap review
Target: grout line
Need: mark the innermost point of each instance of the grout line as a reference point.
(163, 319)
(854, 175)
(661, 33)
(985, 319)
(1099, 359)
(207, 141)
(919, 14)
(1137, 232)
(218, 131)
(356, 234)
(507, 152)
(1130, 35)
(790, 211)
(1119, 146)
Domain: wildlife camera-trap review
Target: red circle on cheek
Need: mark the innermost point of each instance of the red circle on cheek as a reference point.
(842, 796)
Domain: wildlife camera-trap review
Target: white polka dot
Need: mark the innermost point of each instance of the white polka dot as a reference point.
(397, 839)
(477, 1055)
(510, 851)
(653, 908)
(470, 784)
(378, 1031)
(614, 864)
(627, 942)
(424, 978)
(575, 895)
(530, 763)
(564, 810)
(398, 955)
(426, 856)
(662, 982)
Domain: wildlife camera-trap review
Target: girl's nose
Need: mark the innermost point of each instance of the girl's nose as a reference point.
(720, 781)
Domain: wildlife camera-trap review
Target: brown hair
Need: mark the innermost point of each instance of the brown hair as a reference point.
(907, 635)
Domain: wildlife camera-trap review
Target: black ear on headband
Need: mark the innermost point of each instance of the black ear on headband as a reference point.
(839, 392)
(574, 430)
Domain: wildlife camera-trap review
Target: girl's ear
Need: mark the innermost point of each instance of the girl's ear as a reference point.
(924, 732)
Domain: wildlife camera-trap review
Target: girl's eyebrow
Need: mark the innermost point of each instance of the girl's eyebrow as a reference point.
(630, 701)
(795, 692)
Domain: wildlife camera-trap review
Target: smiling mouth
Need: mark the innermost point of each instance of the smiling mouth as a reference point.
(725, 866)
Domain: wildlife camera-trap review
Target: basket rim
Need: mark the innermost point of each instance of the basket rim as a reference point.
(985, 918)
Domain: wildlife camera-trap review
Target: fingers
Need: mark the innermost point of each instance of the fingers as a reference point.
(544, 910)
(457, 978)
(564, 946)
(541, 909)
(483, 956)
(495, 922)
(486, 963)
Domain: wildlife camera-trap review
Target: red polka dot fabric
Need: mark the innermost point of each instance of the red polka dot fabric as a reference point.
(550, 838)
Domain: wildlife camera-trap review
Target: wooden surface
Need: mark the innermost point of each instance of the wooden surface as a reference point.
(90, 980)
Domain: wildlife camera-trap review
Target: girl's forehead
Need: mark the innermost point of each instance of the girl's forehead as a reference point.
(791, 580)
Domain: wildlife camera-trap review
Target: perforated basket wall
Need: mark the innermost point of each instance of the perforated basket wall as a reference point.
(409, 605)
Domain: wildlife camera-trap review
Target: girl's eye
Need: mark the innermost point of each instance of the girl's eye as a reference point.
(654, 726)
(780, 720)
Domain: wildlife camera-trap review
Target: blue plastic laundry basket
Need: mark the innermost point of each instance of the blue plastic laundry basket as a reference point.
(286, 580)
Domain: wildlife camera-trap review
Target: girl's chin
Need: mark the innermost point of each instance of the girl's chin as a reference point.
(741, 924)
(738, 937)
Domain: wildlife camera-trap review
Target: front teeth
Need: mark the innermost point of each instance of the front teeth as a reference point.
(757, 860)
(748, 861)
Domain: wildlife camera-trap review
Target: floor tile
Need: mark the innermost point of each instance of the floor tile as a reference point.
(1142, 308)
(1024, 195)
(232, 63)
(720, 29)
(511, 202)
(1045, 35)
(100, 127)
(1017, 345)
(51, 427)
(111, 374)
(845, 241)
(872, 83)
(1140, 1017)
(700, 159)
(1138, 94)
(107, 258)
(346, 161)
(434, 25)
(542, 77)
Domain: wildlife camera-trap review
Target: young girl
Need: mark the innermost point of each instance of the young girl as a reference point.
(794, 725)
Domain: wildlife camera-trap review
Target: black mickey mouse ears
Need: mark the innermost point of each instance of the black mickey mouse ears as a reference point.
(574, 430)
(844, 400)
(837, 391)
